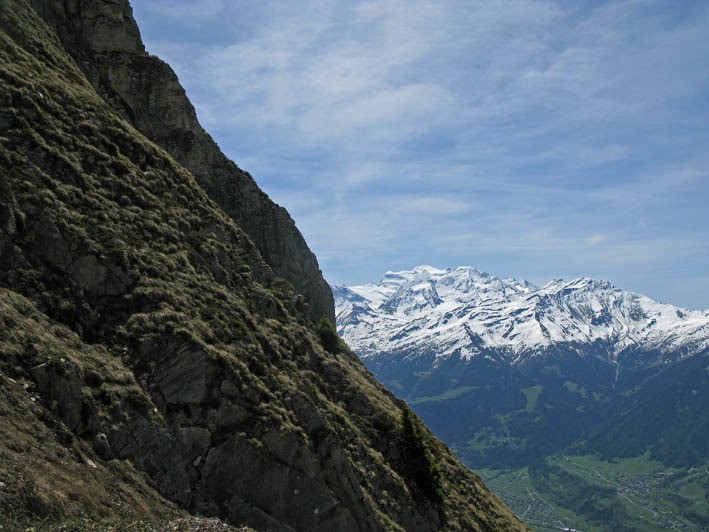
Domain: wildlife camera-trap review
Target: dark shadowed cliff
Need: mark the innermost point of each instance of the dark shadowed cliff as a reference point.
(152, 360)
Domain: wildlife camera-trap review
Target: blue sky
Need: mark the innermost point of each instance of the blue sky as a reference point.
(532, 139)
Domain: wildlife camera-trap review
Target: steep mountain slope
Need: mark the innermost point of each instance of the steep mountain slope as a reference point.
(142, 331)
(105, 42)
(666, 414)
(65, 474)
(510, 374)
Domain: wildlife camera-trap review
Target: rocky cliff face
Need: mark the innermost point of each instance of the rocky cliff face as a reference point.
(146, 344)
(104, 40)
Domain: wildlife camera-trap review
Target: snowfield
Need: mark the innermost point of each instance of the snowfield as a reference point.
(464, 312)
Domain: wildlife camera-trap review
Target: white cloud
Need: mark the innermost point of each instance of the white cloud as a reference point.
(186, 11)
(432, 206)
(596, 239)
(563, 134)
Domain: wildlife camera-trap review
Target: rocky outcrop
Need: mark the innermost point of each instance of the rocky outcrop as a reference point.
(105, 41)
(148, 327)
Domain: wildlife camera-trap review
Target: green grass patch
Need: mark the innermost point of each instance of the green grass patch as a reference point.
(515, 487)
(532, 394)
(631, 494)
(450, 394)
(575, 388)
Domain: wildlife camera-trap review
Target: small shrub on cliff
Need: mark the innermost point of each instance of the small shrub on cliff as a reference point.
(328, 336)
(420, 469)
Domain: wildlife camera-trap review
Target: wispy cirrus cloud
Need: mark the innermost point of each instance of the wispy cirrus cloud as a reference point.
(518, 135)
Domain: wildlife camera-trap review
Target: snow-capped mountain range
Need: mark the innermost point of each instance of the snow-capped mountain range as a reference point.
(509, 374)
(467, 313)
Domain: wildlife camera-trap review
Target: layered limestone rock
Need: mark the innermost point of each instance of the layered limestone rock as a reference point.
(148, 327)
(105, 41)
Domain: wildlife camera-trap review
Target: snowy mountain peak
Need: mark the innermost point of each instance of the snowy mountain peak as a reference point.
(466, 312)
(580, 283)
